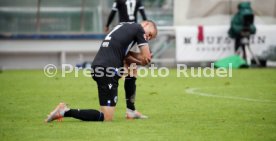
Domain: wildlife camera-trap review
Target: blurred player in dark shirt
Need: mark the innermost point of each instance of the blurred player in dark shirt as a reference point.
(127, 10)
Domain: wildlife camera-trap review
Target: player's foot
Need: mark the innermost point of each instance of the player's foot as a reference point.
(130, 114)
(57, 113)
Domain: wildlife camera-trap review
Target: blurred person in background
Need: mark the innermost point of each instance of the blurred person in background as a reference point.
(128, 10)
(242, 26)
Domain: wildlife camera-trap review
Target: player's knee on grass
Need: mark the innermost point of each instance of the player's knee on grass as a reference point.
(108, 112)
(108, 118)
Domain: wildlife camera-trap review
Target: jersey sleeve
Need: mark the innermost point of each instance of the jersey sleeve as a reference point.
(140, 39)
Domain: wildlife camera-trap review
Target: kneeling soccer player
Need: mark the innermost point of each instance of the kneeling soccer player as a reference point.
(113, 51)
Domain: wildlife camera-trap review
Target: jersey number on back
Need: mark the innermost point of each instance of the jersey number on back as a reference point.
(108, 36)
(130, 4)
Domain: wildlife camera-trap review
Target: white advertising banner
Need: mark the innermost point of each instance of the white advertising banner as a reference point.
(210, 43)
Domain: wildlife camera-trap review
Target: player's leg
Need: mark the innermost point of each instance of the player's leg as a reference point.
(108, 95)
(130, 93)
(108, 112)
(84, 114)
(130, 81)
(107, 92)
(130, 87)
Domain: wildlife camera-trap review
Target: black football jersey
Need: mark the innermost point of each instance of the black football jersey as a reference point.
(117, 44)
(127, 10)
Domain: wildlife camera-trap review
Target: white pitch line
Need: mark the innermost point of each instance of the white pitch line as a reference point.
(194, 91)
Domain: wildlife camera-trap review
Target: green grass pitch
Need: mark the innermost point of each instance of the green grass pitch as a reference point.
(241, 108)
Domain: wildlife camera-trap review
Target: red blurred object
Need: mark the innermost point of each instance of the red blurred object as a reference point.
(200, 35)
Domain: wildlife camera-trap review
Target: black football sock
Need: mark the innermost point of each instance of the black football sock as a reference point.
(130, 91)
(85, 115)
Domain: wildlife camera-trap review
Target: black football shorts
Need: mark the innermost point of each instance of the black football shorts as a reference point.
(107, 89)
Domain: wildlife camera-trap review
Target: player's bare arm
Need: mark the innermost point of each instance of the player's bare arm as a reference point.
(145, 55)
(130, 58)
